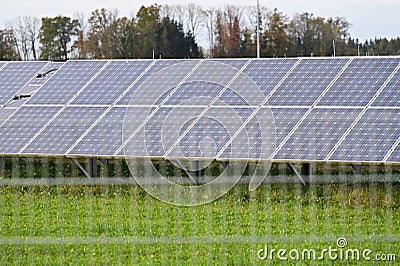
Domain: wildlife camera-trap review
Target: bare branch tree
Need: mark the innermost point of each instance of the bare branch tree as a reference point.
(32, 27)
(82, 42)
(209, 18)
(26, 33)
(194, 17)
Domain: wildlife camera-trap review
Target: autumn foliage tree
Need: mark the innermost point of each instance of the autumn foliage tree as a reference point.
(228, 38)
(276, 41)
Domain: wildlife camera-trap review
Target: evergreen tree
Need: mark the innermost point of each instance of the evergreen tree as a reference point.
(55, 37)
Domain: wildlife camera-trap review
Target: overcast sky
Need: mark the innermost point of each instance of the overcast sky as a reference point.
(369, 19)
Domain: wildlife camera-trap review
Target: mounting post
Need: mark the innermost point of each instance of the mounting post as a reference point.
(2, 159)
(306, 171)
(357, 168)
(197, 172)
(92, 167)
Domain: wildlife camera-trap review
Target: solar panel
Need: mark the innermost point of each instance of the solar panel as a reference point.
(34, 84)
(65, 128)
(307, 81)
(285, 120)
(14, 76)
(192, 89)
(395, 155)
(158, 65)
(23, 125)
(182, 123)
(105, 137)
(360, 81)
(390, 95)
(267, 73)
(67, 82)
(317, 134)
(112, 82)
(5, 113)
(312, 109)
(371, 138)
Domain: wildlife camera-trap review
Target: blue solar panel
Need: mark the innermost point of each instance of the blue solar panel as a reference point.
(67, 82)
(113, 81)
(236, 63)
(159, 65)
(307, 81)
(317, 134)
(285, 120)
(371, 138)
(395, 156)
(66, 128)
(34, 84)
(250, 142)
(359, 82)
(243, 92)
(135, 117)
(22, 126)
(14, 76)
(5, 113)
(390, 95)
(205, 139)
(45, 73)
(212, 130)
(105, 137)
(190, 90)
(267, 73)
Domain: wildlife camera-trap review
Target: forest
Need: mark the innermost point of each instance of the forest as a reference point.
(184, 31)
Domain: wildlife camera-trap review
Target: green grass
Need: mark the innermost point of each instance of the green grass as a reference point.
(119, 225)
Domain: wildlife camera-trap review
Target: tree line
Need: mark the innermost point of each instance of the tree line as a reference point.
(184, 31)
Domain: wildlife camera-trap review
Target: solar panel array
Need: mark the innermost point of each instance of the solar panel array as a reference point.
(324, 109)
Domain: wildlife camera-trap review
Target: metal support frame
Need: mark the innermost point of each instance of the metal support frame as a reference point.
(91, 172)
(187, 173)
(306, 173)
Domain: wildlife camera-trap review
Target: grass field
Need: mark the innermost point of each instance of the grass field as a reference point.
(119, 225)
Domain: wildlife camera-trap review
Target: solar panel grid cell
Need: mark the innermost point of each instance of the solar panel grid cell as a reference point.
(65, 128)
(22, 126)
(371, 138)
(105, 137)
(359, 82)
(112, 82)
(317, 134)
(70, 78)
(14, 76)
(307, 81)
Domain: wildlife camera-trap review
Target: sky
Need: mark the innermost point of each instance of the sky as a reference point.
(369, 19)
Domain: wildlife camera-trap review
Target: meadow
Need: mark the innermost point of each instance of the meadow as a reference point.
(123, 225)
